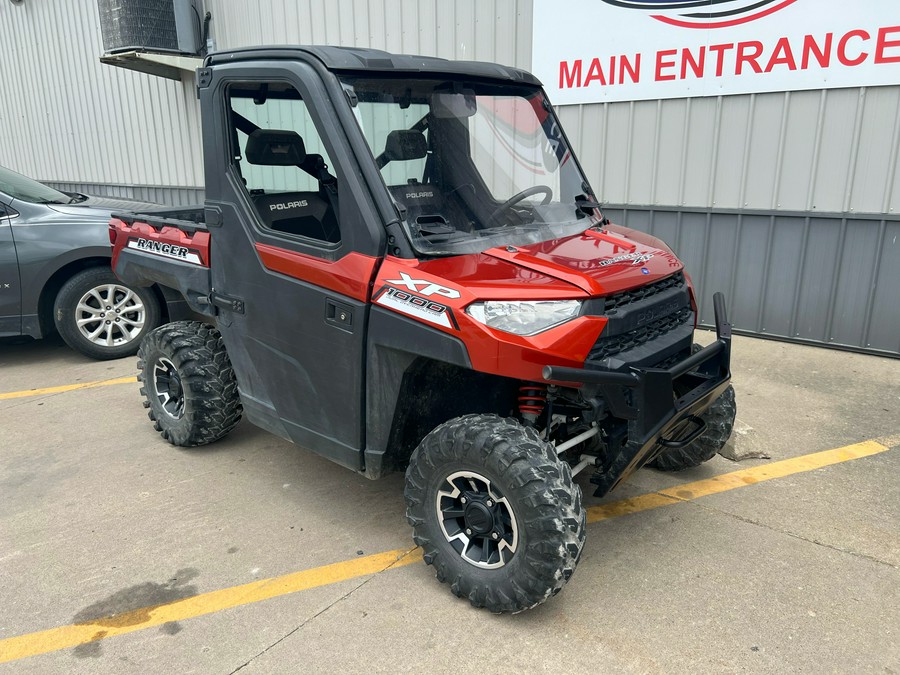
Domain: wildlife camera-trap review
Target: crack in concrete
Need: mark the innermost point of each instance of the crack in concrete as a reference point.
(771, 528)
(322, 611)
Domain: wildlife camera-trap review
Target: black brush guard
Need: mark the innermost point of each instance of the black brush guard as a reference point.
(657, 418)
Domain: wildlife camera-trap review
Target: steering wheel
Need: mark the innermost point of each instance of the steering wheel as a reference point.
(519, 196)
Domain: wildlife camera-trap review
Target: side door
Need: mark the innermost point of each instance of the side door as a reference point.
(295, 254)
(10, 288)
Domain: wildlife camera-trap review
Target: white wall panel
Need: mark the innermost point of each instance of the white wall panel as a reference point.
(486, 30)
(825, 151)
(700, 148)
(879, 136)
(801, 138)
(761, 159)
(669, 162)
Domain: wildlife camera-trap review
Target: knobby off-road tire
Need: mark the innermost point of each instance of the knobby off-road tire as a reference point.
(719, 418)
(188, 383)
(478, 476)
(101, 317)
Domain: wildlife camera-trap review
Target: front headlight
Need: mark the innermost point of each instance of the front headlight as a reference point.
(524, 317)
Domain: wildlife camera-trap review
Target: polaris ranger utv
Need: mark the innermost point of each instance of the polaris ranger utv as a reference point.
(400, 265)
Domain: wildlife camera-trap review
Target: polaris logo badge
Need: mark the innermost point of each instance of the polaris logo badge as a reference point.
(634, 258)
(164, 249)
(413, 305)
(419, 195)
(289, 205)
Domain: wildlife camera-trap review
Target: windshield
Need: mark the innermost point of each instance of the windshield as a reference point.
(21, 187)
(471, 165)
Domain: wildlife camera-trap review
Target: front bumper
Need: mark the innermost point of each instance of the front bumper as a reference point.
(657, 417)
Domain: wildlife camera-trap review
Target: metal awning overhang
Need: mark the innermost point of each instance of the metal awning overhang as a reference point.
(171, 66)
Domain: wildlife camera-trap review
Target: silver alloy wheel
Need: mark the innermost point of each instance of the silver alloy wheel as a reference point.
(477, 520)
(167, 388)
(110, 315)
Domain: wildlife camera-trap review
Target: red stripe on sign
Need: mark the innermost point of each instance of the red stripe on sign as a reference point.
(350, 276)
(723, 24)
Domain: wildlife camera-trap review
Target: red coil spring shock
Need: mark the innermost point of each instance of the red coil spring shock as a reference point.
(532, 400)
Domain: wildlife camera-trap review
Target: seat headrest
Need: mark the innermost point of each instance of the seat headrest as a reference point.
(405, 144)
(274, 147)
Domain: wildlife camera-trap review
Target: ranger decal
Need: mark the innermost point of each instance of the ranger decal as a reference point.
(165, 249)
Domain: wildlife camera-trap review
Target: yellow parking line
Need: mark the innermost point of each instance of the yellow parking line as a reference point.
(63, 637)
(66, 387)
(198, 605)
(737, 479)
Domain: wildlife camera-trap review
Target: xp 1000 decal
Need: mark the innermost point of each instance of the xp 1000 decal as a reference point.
(416, 306)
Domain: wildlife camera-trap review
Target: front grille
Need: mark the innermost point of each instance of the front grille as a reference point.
(665, 364)
(612, 345)
(643, 292)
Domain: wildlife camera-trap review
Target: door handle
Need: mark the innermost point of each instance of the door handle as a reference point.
(339, 315)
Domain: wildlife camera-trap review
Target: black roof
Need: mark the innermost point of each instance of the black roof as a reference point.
(354, 59)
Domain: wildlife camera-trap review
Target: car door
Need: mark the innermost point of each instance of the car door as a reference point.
(293, 257)
(10, 288)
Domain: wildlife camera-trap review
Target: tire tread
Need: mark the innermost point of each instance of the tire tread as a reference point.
(548, 505)
(719, 419)
(213, 407)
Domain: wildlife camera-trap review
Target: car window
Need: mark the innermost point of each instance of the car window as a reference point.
(21, 187)
(282, 161)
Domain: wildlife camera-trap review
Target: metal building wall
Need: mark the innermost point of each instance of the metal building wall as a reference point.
(70, 121)
(761, 193)
(825, 151)
(481, 30)
(65, 117)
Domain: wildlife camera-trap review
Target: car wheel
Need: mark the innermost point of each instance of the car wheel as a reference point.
(188, 383)
(495, 511)
(103, 318)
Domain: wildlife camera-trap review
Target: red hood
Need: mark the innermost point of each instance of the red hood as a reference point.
(595, 262)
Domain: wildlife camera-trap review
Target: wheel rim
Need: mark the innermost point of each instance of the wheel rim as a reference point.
(477, 520)
(110, 315)
(168, 389)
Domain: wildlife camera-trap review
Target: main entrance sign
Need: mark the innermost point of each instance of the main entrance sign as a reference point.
(614, 50)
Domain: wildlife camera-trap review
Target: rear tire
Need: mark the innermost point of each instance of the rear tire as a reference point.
(495, 511)
(188, 383)
(101, 317)
(719, 418)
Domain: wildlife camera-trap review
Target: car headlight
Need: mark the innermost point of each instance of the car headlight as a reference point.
(524, 317)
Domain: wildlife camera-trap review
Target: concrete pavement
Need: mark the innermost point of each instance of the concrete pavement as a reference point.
(99, 516)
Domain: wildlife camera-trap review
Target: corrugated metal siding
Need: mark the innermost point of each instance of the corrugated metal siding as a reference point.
(75, 120)
(829, 151)
(67, 117)
(823, 279)
(484, 30)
